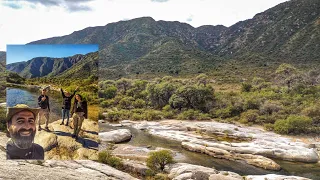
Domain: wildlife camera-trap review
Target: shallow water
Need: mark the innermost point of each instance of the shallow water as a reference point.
(142, 138)
(23, 96)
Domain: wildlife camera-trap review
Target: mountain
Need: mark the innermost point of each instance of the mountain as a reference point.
(2, 61)
(45, 66)
(288, 32)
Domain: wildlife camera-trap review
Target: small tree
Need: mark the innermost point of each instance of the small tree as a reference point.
(202, 79)
(159, 159)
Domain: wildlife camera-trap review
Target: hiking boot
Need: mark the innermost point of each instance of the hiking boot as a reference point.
(73, 136)
(47, 128)
(67, 124)
(39, 128)
(62, 123)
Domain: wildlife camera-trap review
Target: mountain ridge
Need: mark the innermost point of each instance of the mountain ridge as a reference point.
(288, 32)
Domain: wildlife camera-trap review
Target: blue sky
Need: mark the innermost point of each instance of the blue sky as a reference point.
(18, 53)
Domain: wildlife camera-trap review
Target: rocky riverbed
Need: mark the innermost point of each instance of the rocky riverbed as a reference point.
(229, 138)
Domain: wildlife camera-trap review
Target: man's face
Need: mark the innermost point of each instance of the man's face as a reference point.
(43, 92)
(67, 94)
(23, 129)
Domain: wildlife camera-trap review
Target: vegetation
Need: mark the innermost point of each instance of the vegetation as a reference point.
(106, 157)
(159, 159)
(286, 105)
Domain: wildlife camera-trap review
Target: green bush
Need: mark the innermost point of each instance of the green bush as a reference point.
(106, 157)
(202, 116)
(281, 127)
(159, 159)
(249, 116)
(113, 116)
(268, 127)
(293, 124)
(139, 103)
(151, 115)
(107, 103)
(189, 115)
(137, 117)
(313, 112)
(126, 102)
(169, 115)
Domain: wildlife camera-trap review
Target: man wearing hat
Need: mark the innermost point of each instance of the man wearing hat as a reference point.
(43, 102)
(21, 125)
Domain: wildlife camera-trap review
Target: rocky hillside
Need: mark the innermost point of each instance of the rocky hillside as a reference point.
(46, 66)
(286, 32)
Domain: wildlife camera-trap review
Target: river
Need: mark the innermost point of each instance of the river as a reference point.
(141, 138)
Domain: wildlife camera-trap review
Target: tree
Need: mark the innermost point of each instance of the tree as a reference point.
(159, 159)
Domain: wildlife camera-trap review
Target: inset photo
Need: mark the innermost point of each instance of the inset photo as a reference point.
(51, 101)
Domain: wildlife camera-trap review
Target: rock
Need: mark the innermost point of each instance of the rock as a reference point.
(56, 170)
(260, 161)
(101, 121)
(274, 177)
(116, 136)
(137, 153)
(84, 153)
(46, 139)
(243, 140)
(256, 160)
(223, 177)
(135, 167)
(178, 170)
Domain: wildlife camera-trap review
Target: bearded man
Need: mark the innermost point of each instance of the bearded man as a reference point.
(21, 125)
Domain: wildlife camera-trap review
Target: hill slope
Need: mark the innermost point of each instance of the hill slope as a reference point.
(46, 66)
(288, 32)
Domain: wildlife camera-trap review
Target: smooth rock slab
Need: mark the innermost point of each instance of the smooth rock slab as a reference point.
(116, 136)
(274, 177)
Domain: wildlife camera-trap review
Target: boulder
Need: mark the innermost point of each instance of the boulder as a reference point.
(116, 136)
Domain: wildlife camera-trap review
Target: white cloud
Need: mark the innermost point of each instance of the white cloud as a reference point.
(36, 21)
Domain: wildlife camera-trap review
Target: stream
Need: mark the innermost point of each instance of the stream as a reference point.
(142, 138)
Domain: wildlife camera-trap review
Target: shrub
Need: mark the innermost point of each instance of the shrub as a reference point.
(153, 115)
(202, 116)
(270, 107)
(159, 159)
(139, 103)
(106, 157)
(137, 117)
(169, 115)
(126, 102)
(249, 116)
(188, 115)
(113, 116)
(293, 124)
(246, 87)
(268, 127)
(281, 127)
(313, 112)
(107, 103)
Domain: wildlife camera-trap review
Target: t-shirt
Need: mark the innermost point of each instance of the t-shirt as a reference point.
(35, 152)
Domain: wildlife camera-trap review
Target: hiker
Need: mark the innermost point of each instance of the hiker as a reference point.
(43, 102)
(21, 126)
(79, 113)
(66, 104)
